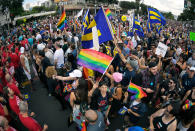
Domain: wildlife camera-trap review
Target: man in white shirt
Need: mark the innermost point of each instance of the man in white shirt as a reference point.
(49, 54)
(38, 37)
(58, 56)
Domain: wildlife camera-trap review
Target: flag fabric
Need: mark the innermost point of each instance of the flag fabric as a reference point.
(188, 105)
(148, 26)
(101, 27)
(158, 28)
(155, 16)
(79, 13)
(94, 60)
(109, 14)
(87, 72)
(137, 27)
(137, 90)
(86, 21)
(123, 110)
(83, 127)
(130, 33)
(62, 22)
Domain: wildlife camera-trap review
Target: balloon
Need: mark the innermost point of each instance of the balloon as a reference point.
(124, 18)
(24, 20)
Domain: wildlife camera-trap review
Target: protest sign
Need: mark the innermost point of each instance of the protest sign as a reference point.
(161, 49)
(192, 36)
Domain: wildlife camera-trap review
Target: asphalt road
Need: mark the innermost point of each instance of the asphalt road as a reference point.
(48, 110)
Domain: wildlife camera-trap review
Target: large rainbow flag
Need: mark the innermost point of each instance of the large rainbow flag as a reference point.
(63, 22)
(139, 93)
(94, 60)
(109, 14)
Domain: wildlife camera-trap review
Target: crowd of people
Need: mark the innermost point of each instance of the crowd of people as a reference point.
(37, 49)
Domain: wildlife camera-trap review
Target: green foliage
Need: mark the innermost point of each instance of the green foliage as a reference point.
(14, 6)
(39, 9)
(125, 5)
(188, 13)
(168, 15)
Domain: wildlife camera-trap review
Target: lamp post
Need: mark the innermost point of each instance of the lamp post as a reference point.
(95, 6)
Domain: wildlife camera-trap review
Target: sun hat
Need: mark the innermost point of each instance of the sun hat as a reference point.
(117, 76)
(75, 73)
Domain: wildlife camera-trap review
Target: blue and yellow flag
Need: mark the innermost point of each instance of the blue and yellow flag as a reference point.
(158, 28)
(155, 16)
(123, 110)
(104, 31)
(148, 26)
(137, 27)
(86, 21)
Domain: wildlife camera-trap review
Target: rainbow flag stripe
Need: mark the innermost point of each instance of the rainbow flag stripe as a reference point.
(83, 127)
(109, 14)
(63, 22)
(94, 60)
(139, 93)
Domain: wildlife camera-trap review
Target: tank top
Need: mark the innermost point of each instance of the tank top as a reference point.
(26, 62)
(159, 125)
(190, 97)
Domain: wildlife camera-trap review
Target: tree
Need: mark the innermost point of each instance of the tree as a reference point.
(188, 13)
(14, 6)
(168, 15)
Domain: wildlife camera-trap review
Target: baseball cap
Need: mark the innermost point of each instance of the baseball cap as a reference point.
(22, 50)
(192, 68)
(75, 73)
(117, 76)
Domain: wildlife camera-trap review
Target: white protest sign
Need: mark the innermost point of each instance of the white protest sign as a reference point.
(161, 49)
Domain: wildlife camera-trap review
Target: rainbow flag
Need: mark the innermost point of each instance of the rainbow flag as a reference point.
(139, 93)
(83, 127)
(63, 22)
(109, 14)
(94, 60)
(188, 105)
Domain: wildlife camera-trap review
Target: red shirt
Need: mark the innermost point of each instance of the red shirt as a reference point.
(14, 88)
(15, 60)
(24, 42)
(11, 129)
(14, 104)
(2, 113)
(30, 123)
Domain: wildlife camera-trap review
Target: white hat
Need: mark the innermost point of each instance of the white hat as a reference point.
(22, 50)
(75, 73)
(192, 68)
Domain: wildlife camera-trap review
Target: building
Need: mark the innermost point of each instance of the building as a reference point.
(46, 3)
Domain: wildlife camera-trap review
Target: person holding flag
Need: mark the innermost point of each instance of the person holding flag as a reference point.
(136, 108)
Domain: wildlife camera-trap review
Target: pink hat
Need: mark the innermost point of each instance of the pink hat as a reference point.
(117, 76)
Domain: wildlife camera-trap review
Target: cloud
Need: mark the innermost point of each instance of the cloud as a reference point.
(174, 6)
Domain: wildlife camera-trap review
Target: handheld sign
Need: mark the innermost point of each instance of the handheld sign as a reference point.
(161, 49)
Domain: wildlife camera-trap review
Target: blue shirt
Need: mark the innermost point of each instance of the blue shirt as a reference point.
(20, 38)
(30, 41)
